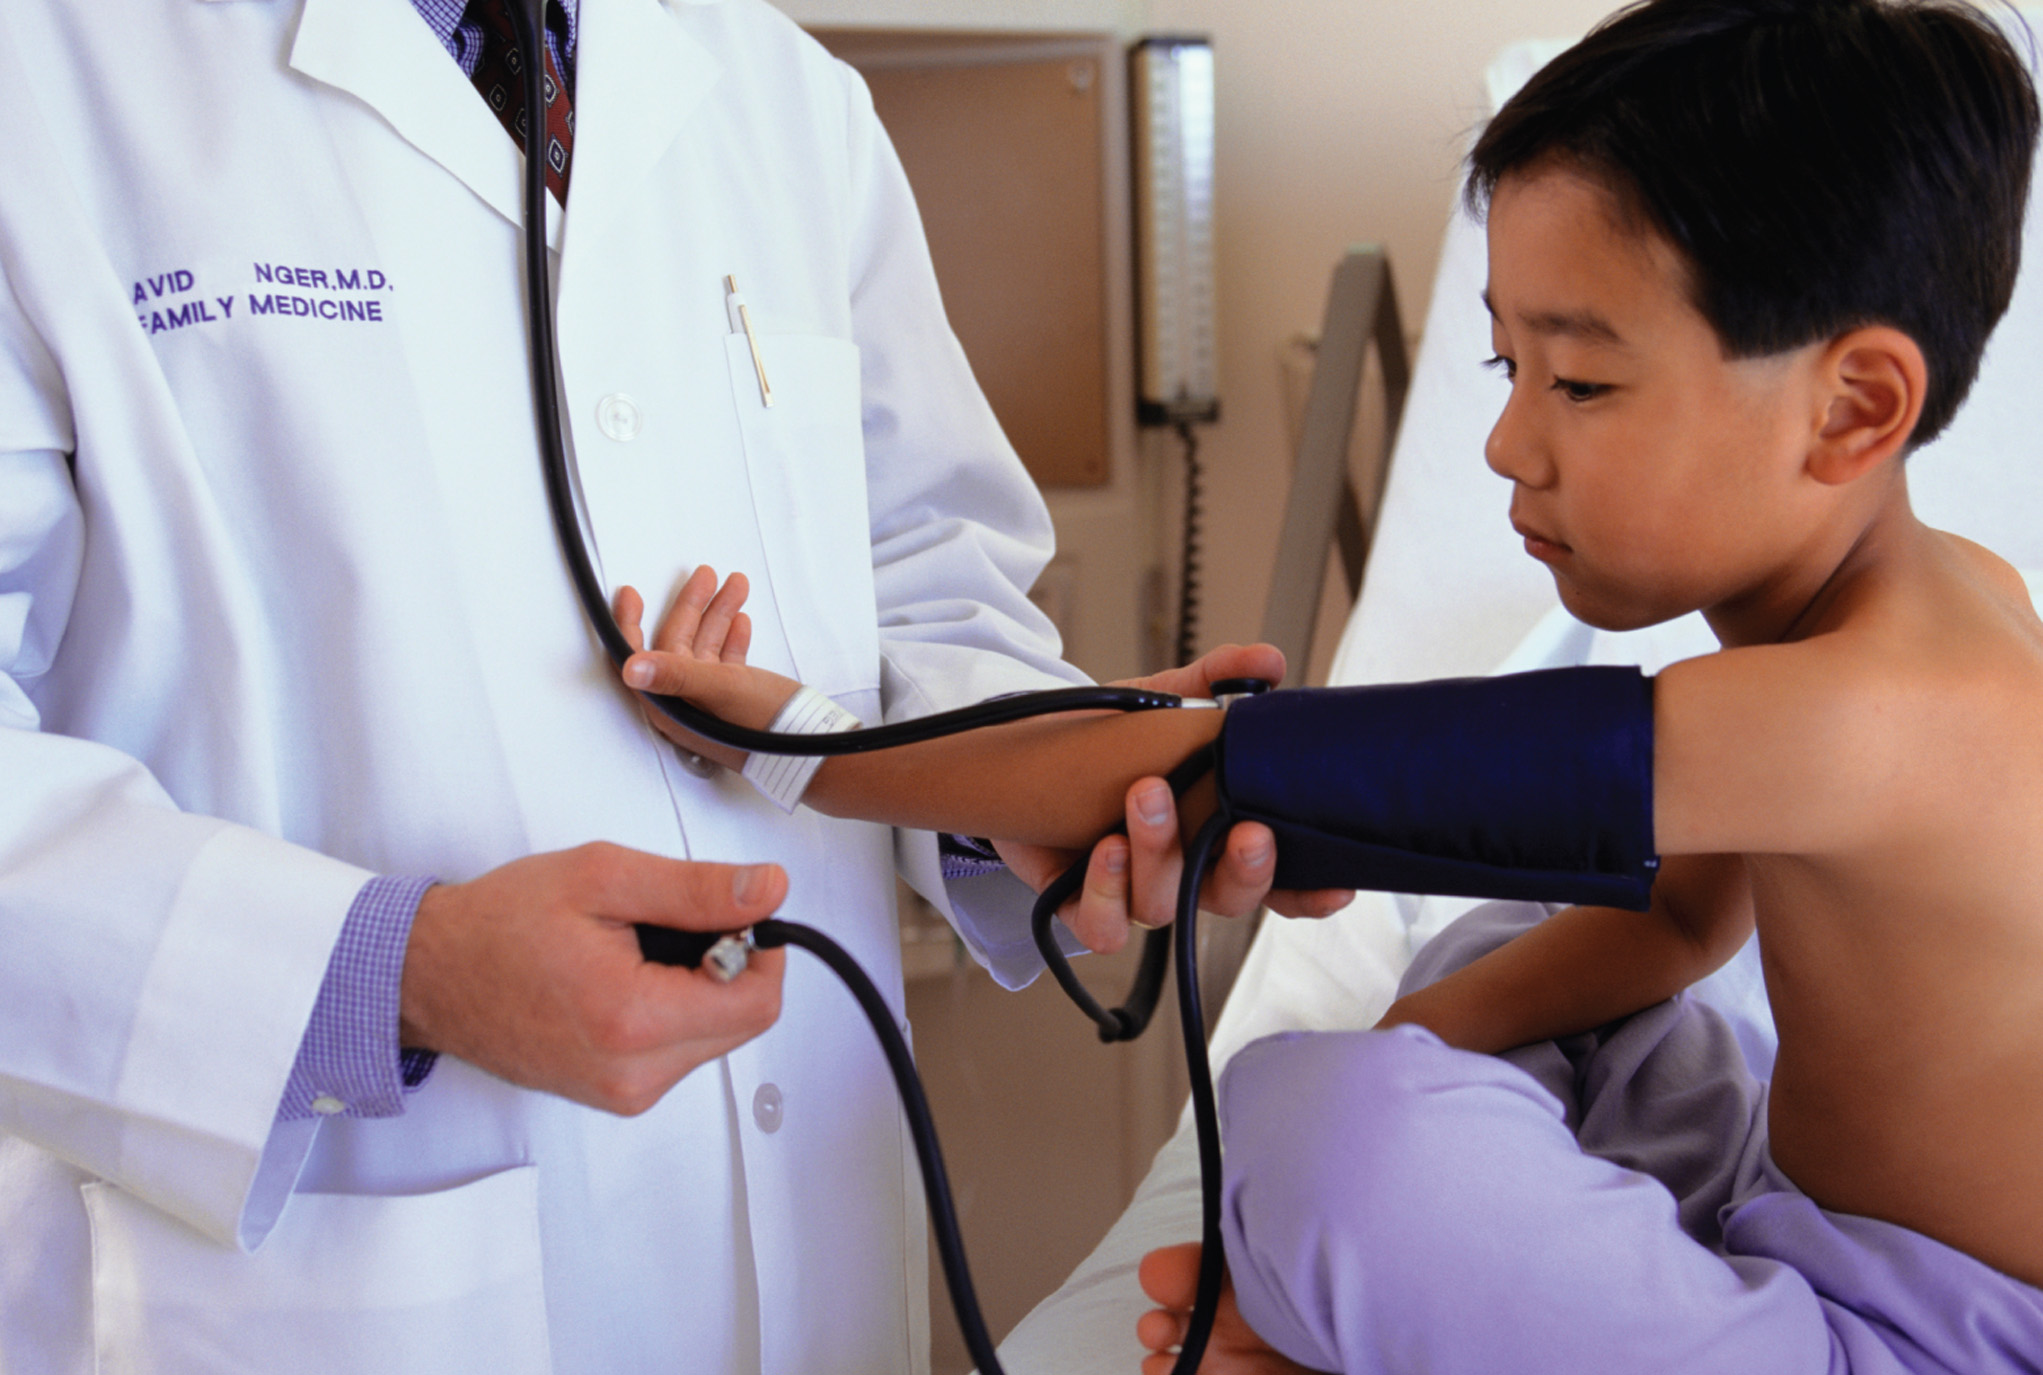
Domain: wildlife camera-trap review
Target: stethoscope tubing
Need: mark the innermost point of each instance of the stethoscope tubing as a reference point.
(773, 933)
(527, 18)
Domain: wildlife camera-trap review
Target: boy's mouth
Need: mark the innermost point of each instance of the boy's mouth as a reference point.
(1539, 546)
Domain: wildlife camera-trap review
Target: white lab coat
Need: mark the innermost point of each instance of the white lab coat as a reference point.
(294, 615)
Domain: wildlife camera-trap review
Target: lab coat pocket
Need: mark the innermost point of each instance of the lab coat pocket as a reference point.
(446, 1282)
(805, 456)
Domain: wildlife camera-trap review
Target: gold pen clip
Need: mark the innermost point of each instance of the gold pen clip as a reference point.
(743, 320)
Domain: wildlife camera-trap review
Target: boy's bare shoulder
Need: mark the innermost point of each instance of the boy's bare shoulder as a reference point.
(1924, 686)
(1999, 574)
(1972, 615)
(1955, 623)
(1944, 649)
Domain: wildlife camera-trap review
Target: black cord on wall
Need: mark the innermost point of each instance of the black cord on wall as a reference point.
(1188, 563)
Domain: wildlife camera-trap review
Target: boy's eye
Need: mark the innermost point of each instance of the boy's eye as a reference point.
(1499, 363)
(1580, 391)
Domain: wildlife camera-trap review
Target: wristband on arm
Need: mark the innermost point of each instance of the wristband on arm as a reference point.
(783, 778)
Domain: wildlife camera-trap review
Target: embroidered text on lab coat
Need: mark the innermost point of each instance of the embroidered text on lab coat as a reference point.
(165, 302)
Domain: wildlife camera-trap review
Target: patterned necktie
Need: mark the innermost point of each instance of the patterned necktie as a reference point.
(499, 75)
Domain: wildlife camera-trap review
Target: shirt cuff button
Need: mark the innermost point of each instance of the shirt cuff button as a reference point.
(326, 1105)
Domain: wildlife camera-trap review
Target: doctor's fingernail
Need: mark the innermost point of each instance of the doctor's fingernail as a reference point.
(1257, 853)
(638, 675)
(748, 884)
(1115, 859)
(1153, 803)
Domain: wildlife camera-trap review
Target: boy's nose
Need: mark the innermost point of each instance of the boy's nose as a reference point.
(1513, 451)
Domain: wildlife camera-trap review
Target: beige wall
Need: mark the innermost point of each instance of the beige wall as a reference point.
(1036, 16)
(1340, 121)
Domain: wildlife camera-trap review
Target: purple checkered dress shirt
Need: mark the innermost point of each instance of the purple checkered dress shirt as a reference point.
(462, 36)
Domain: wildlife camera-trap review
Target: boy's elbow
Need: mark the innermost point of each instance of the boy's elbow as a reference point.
(1707, 899)
(1722, 941)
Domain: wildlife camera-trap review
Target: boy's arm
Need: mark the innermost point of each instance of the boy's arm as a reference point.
(1587, 966)
(1807, 748)
(1056, 781)
(1777, 749)
(1062, 781)
(1782, 749)
(1129, 879)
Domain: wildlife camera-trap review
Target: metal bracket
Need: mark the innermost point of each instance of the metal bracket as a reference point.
(1328, 505)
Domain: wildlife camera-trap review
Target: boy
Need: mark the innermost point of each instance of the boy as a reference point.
(1744, 256)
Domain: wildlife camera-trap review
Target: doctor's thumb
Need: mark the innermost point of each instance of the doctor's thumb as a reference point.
(759, 888)
(728, 897)
(725, 897)
(694, 895)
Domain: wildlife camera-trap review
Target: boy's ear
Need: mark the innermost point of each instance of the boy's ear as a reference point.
(1872, 382)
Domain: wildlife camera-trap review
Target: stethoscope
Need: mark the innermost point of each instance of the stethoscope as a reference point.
(675, 947)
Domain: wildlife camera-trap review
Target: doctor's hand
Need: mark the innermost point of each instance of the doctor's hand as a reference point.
(533, 972)
(1134, 878)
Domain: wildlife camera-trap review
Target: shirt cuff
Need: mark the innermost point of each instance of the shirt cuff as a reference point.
(350, 1064)
(967, 857)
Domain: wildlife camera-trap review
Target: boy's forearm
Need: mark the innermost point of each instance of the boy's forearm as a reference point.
(1578, 970)
(1059, 781)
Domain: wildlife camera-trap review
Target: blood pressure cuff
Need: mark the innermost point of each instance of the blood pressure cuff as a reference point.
(1529, 785)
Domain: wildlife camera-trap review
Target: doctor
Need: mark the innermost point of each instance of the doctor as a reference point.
(282, 623)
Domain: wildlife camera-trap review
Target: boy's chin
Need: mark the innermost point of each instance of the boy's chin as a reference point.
(1613, 613)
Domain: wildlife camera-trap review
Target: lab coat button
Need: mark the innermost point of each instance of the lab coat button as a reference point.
(326, 1105)
(766, 1108)
(617, 416)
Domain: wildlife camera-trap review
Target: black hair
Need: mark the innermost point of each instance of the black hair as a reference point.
(1819, 164)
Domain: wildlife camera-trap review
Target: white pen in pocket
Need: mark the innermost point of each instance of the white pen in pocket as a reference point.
(741, 319)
